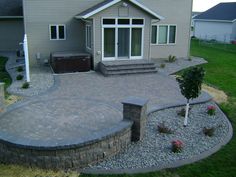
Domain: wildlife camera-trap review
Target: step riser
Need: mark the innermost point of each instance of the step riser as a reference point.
(126, 73)
(129, 68)
(126, 69)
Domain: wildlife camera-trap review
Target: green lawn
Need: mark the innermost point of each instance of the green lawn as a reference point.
(4, 76)
(221, 73)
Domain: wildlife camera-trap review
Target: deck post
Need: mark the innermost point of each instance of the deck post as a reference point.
(26, 52)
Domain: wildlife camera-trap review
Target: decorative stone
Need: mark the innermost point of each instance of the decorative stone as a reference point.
(2, 98)
(135, 109)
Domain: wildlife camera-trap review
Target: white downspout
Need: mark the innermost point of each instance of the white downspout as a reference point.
(26, 52)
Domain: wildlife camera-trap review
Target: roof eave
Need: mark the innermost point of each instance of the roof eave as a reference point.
(214, 20)
(116, 1)
(11, 17)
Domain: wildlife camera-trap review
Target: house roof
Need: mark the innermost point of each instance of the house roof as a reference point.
(11, 8)
(196, 13)
(220, 12)
(108, 3)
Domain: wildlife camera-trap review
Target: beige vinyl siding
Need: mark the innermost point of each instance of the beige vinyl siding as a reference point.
(113, 11)
(39, 14)
(11, 34)
(179, 14)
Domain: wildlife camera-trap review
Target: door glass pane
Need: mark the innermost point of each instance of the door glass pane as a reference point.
(172, 34)
(162, 37)
(109, 42)
(123, 42)
(53, 32)
(61, 32)
(136, 45)
(154, 34)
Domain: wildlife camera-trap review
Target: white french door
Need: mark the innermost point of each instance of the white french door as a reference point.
(122, 42)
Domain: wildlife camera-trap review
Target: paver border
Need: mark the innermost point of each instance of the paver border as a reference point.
(175, 164)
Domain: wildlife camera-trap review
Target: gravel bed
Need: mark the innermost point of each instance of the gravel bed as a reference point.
(41, 80)
(41, 77)
(155, 149)
(179, 64)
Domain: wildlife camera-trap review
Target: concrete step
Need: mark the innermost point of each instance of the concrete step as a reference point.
(128, 72)
(126, 63)
(111, 68)
(129, 67)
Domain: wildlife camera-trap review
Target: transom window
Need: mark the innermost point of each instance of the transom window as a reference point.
(109, 21)
(88, 36)
(57, 32)
(123, 21)
(164, 34)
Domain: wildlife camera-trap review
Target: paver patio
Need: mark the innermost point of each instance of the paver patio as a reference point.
(82, 105)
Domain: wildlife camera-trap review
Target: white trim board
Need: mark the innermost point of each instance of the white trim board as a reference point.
(116, 1)
(208, 20)
(116, 26)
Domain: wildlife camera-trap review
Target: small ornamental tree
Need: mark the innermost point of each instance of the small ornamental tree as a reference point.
(190, 84)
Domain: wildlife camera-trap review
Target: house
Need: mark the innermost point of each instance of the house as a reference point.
(11, 25)
(194, 14)
(217, 23)
(109, 30)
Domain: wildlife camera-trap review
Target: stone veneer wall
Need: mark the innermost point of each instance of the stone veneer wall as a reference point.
(67, 157)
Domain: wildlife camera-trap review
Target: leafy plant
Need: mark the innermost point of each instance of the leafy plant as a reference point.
(190, 84)
(182, 112)
(209, 131)
(211, 110)
(163, 65)
(177, 146)
(25, 85)
(19, 77)
(162, 128)
(19, 69)
(171, 59)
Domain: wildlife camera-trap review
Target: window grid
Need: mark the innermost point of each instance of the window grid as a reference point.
(88, 36)
(168, 34)
(59, 32)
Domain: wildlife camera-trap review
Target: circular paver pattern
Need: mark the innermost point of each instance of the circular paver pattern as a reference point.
(57, 122)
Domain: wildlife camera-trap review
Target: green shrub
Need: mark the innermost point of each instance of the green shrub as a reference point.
(163, 65)
(25, 85)
(182, 112)
(19, 69)
(209, 131)
(171, 59)
(19, 77)
(162, 128)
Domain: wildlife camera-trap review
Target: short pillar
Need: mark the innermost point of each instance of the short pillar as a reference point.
(2, 97)
(135, 109)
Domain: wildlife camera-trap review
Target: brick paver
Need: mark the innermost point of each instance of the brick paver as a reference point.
(81, 105)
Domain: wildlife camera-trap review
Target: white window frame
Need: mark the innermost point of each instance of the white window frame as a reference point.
(116, 26)
(87, 36)
(57, 32)
(168, 34)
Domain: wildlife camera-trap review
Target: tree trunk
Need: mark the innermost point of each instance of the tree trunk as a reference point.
(186, 114)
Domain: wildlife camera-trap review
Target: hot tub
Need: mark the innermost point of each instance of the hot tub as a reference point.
(69, 62)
